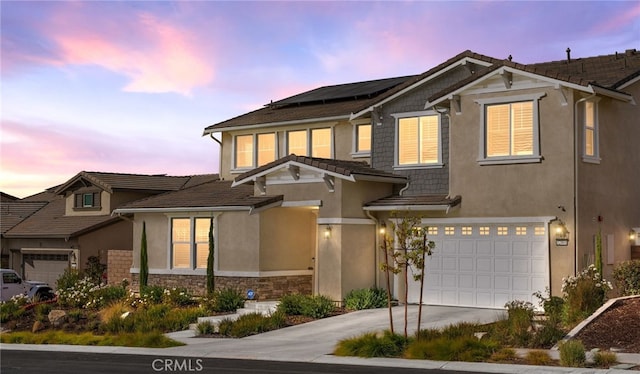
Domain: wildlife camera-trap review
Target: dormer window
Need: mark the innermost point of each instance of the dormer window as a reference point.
(87, 200)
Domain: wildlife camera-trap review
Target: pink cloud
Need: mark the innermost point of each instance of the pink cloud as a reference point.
(38, 156)
(155, 55)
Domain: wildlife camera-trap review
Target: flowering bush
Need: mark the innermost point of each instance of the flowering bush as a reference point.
(627, 277)
(583, 294)
(87, 293)
(178, 296)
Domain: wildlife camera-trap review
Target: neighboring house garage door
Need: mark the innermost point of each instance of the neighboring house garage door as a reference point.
(45, 267)
(485, 264)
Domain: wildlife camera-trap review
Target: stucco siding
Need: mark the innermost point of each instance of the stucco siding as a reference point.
(287, 239)
(238, 241)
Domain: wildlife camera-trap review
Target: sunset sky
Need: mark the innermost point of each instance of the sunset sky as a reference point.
(128, 86)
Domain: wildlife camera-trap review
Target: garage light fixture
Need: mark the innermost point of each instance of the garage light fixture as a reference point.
(383, 228)
(327, 232)
(632, 235)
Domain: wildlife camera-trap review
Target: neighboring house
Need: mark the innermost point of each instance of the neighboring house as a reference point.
(514, 168)
(69, 223)
(13, 211)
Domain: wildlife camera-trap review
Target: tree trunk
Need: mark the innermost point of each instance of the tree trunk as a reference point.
(386, 272)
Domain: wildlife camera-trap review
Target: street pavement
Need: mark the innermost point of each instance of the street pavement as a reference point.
(315, 342)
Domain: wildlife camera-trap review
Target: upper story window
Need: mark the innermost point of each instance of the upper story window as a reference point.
(362, 140)
(418, 141)
(509, 131)
(590, 128)
(86, 200)
(254, 150)
(190, 242)
(312, 142)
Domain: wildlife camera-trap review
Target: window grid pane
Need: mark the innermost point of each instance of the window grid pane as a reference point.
(539, 230)
(589, 129)
(364, 138)
(502, 231)
(321, 143)
(467, 230)
(485, 230)
(244, 151)
(297, 142)
(498, 130)
(449, 230)
(522, 124)
(429, 139)
(266, 148)
(432, 230)
(408, 141)
(181, 242)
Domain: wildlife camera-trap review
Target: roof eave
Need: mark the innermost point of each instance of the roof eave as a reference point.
(218, 208)
(401, 208)
(212, 130)
(614, 94)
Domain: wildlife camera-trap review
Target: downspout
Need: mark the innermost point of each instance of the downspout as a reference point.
(220, 155)
(575, 178)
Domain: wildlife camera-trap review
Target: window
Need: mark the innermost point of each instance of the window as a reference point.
(467, 230)
(189, 242)
(449, 230)
(254, 150)
(432, 230)
(363, 139)
(539, 230)
(590, 126)
(418, 141)
(509, 130)
(318, 140)
(521, 230)
(87, 200)
(503, 230)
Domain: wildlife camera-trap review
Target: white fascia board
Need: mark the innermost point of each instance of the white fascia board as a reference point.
(345, 221)
(265, 207)
(488, 220)
(375, 178)
(461, 62)
(302, 203)
(405, 208)
(181, 209)
(629, 83)
(281, 123)
(613, 94)
(286, 165)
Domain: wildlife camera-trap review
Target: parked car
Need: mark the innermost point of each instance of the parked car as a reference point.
(11, 284)
(41, 292)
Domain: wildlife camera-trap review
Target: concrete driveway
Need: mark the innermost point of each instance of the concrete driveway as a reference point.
(310, 341)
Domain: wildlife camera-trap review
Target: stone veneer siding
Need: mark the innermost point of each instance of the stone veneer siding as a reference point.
(119, 265)
(265, 288)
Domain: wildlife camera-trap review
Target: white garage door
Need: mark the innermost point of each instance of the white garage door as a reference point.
(485, 265)
(45, 267)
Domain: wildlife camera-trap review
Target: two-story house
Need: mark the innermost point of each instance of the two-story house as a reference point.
(72, 222)
(514, 168)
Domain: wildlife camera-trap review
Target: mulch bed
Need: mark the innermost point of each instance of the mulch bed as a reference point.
(618, 328)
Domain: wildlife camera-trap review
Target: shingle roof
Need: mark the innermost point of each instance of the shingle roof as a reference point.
(212, 194)
(140, 182)
(51, 222)
(343, 167)
(13, 212)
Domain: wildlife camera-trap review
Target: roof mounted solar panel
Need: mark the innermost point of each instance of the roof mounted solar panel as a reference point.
(349, 91)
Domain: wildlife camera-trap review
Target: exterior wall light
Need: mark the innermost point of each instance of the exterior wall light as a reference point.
(383, 228)
(562, 234)
(634, 235)
(327, 232)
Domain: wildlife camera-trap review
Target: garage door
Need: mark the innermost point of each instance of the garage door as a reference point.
(485, 265)
(45, 267)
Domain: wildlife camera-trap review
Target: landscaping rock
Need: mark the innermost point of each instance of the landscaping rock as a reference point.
(57, 317)
(37, 326)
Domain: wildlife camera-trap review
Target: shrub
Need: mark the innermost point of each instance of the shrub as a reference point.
(466, 348)
(366, 298)
(206, 328)
(249, 324)
(546, 336)
(68, 279)
(519, 317)
(604, 359)
(552, 306)
(317, 306)
(583, 294)
(372, 345)
(572, 353)
(292, 304)
(224, 327)
(627, 277)
(9, 310)
(538, 358)
(151, 294)
(503, 355)
(178, 296)
(42, 312)
(108, 294)
(227, 300)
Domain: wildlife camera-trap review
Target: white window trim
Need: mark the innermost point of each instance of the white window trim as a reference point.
(354, 144)
(254, 161)
(595, 159)
(309, 140)
(192, 266)
(482, 152)
(396, 149)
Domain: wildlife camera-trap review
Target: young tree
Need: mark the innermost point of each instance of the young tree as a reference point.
(409, 254)
(210, 275)
(144, 265)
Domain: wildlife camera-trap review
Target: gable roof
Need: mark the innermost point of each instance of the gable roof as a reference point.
(211, 196)
(50, 220)
(14, 212)
(349, 170)
(599, 74)
(120, 181)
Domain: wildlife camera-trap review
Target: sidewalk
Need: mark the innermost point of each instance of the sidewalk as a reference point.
(315, 341)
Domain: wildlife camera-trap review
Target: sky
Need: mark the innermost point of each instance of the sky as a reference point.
(129, 86)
